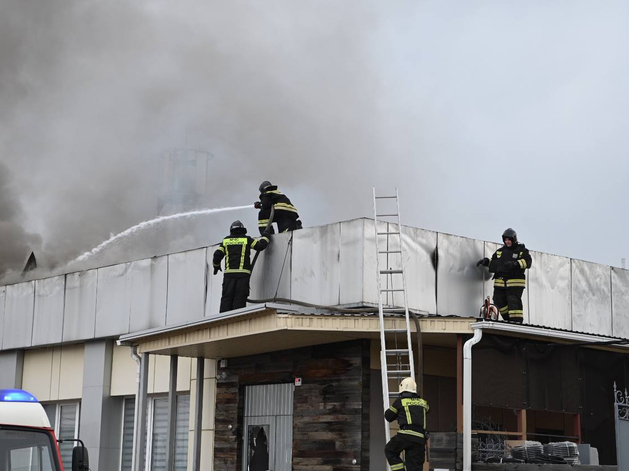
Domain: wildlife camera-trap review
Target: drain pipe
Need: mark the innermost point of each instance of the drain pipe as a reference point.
(133, 351)
(467, 398)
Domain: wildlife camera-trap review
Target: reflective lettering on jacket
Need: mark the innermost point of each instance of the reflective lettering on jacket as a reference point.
(237, 253)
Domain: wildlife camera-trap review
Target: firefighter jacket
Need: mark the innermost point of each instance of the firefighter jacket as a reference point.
(508, 265)
(237, 252)
(272, 197)
(410, 411)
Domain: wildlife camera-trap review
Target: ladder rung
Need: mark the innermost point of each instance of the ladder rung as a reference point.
(391, 290)
(399, 372)
(391, 272)
(394, 394)
(390, 251)
(385, 197)
(395, 331)
(399, 310)
(386, 215)
(397, 351)
(388, 233)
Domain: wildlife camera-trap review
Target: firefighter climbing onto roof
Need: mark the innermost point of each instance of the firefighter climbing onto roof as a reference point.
(410, 411)
(236, 248)
(508, 265)
(285, 214)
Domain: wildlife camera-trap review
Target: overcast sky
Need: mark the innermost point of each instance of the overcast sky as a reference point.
(486, 114)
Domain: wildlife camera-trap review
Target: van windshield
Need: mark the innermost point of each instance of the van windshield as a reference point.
(26, 450)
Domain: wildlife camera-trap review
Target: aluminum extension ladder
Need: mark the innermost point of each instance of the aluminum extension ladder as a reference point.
(397, 362)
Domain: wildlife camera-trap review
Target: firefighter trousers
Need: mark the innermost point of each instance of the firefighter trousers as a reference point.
(509, 303)
(415, 453)
(235, 291)
(286, 221)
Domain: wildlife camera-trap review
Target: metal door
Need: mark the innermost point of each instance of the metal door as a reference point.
(268, 427)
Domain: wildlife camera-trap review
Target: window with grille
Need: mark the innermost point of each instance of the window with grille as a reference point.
(157, 428)
(64, 419)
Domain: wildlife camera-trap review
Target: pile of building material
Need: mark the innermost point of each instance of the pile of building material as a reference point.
(566, 450)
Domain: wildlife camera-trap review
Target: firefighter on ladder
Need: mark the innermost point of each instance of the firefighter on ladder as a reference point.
(508, 264)
(237, 249)
(285, 216)
(410, 411)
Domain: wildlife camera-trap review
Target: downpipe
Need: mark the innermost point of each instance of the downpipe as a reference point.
(467, 398)
(134, 354)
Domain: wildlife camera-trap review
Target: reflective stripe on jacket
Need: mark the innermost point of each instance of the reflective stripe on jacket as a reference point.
(237, 252)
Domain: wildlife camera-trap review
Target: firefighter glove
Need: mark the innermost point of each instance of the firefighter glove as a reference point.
(484, 262)
(217, 269)
(257, 205)
(512, 265)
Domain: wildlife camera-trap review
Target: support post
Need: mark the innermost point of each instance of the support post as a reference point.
(141, 401)
(459, 383)
(577, 427)
(172, 414)
(522, 423)
(198, 418)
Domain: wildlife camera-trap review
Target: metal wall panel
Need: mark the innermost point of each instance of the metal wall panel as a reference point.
(18, 315)
(113, 295)
(265, 279)
(49, 301)
(186, 286)
(269, 399)
(370, 280)
(591, 298)
(315, 274)
(488, 278)
(214, 285)
(3, 292)
(620, 302)
(149, 284)
(352, 261)
(459, 281)
(550, 291)
(419, 247)
(80, 308)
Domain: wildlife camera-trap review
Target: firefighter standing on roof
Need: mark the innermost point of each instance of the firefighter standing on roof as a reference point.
(237, 249)
(508, 264)
(410, 411)
(285, 216)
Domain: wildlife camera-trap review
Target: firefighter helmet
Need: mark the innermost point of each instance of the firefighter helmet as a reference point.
(264, 185)
(408, 385)
(510, 234)
(237, 227)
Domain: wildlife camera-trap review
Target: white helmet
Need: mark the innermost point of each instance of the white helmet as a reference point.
(408, 385)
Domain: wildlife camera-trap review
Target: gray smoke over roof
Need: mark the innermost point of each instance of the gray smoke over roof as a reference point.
(485, 116)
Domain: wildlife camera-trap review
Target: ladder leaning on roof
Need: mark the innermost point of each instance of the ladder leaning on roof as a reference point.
(388, 232)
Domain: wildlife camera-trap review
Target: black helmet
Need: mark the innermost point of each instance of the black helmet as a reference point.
(510, 234)
(264, 185)
(237, 227)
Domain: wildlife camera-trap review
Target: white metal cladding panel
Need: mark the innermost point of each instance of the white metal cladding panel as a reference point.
(459, 281)
(214, 284)
(591, 298)
(550, 291)
(18, 315)
(186, 286)
(80, 307)
(370, 280)
(283, 443)
(421, 277)
(315, 265)
(488, 278)
(269, 399)
(148, 280)
(620, 302)
(113, 296)
(352, 261)
(266, 274)
(49, 301)
(3, 292)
